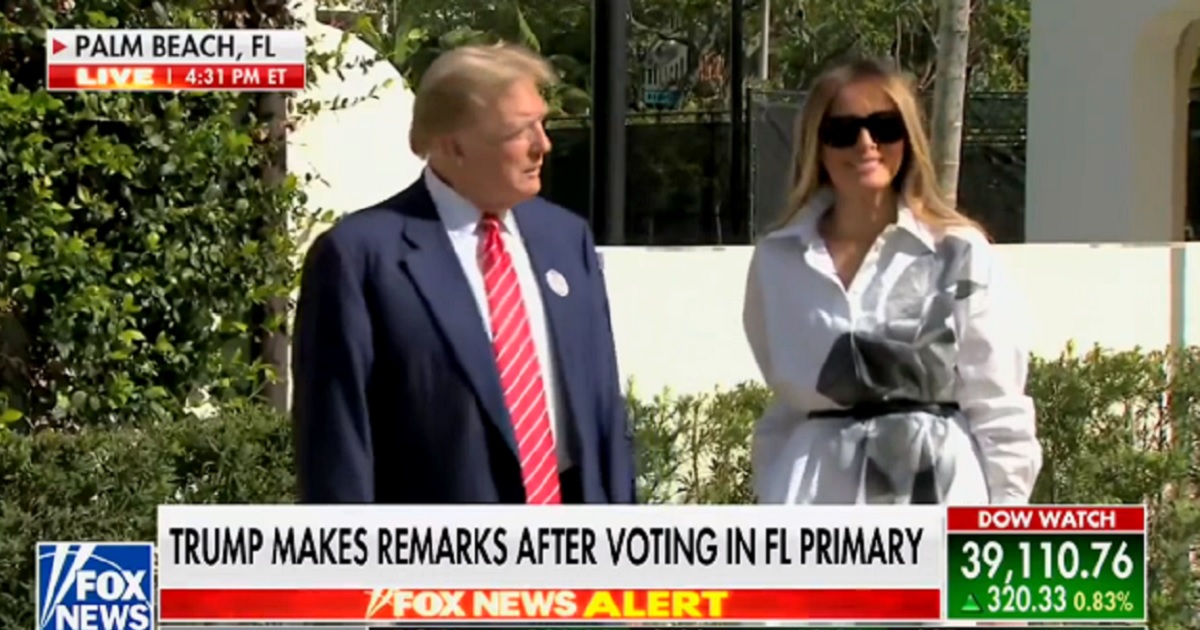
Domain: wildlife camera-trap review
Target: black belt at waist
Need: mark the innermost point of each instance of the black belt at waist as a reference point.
(876, 409)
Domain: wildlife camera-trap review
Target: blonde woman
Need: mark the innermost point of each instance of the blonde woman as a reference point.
(882, 320)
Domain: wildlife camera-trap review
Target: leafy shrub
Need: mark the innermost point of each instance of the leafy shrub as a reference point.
(1117, 428)
(136, 242)
(1125, 428)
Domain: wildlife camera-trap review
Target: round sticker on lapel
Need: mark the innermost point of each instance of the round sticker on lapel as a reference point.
(558, 284)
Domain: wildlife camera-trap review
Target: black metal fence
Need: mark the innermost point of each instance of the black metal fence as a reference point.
(677, 178)
(678, 172)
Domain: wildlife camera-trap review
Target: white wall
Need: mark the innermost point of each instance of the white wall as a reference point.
(677, 312)
(349, 147)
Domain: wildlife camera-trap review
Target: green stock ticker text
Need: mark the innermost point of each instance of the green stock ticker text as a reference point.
(1079, 577)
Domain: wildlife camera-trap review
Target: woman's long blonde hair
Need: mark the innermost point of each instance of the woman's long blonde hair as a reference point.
(915, 181)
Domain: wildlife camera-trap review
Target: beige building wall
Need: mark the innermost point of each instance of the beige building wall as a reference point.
(1107, 119)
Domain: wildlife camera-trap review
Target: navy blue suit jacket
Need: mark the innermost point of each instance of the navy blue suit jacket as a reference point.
(397, 398)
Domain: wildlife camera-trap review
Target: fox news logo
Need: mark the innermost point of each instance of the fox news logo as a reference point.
(95, 586)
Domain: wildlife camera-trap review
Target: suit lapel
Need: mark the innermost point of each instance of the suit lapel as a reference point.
(437, 274)
(566, 315)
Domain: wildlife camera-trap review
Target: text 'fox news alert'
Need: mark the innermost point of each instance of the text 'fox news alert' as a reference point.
(95, 586)
(175, 60)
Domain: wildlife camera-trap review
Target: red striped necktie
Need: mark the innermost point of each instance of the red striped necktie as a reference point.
(520, 371)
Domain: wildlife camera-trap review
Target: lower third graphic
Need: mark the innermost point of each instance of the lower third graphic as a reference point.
(95, 586)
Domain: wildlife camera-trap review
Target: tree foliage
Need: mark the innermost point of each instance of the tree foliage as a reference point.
(906, 30)
(805, 36)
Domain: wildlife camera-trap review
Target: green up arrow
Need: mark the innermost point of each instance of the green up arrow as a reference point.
(971, 605)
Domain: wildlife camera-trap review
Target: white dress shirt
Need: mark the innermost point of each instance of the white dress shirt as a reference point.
(942, 325)
(461, 219)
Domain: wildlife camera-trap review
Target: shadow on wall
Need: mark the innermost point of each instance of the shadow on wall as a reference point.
(1193, 162)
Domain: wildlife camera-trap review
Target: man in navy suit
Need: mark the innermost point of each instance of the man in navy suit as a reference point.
(453, 343)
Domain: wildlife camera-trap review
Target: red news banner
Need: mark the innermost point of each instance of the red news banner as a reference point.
(1047, 519)
(440, 564)
(175, 60)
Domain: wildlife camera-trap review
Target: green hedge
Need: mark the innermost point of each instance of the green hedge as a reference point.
(1117, 428)
(140, 236)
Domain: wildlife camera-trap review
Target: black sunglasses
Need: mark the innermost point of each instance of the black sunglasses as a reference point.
(842, 132)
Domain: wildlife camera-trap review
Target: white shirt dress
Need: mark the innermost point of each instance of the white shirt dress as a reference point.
(928, 319)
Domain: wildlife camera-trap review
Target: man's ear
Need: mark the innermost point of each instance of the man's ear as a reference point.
(449, 146)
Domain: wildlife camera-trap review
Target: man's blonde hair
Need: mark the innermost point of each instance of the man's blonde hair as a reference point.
(466, 79)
